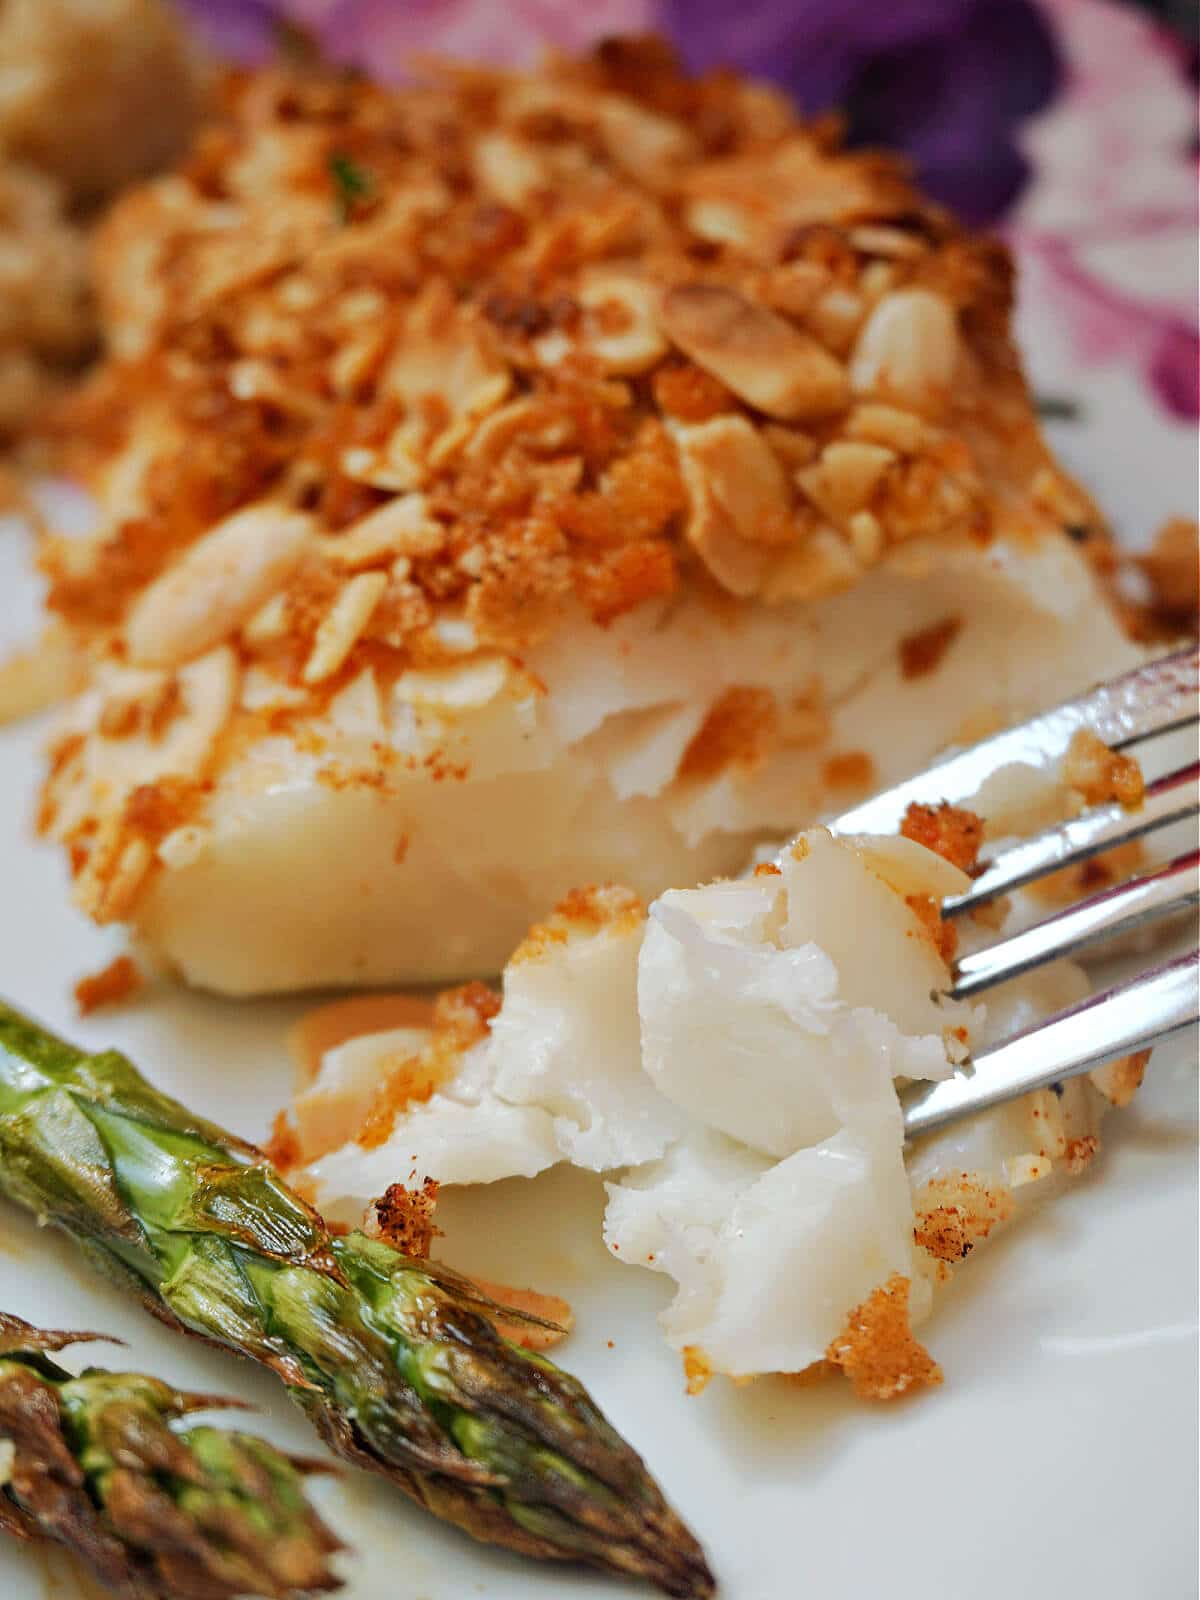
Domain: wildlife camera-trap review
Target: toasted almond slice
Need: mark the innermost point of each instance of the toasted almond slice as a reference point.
(447, 353)
(648, 146)
(635, 344)
(217, 584)
(510, 168)
(845, 477)
(908, 349)
(342, 625)
(902, 431)
(760, 356)
(400, 527)
(740, 504)
(464, 686)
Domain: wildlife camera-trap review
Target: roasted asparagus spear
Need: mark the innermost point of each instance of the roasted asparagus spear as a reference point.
(155, 1514)
(394, 1360)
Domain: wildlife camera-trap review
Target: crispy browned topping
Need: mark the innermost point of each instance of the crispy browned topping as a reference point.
(741, 730)
(877, 1350)
(942, 934)
(949, 831)
(1081, 1152)
(1172, 564)
(404, 1217)
(460, 1018)
(592, 334)
(1100, 774)
(921, 653)
(108, 987)
(584, 911)
(955, 1214)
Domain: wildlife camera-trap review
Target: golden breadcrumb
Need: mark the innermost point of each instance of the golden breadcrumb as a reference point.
(876, 1349)
(943, 935)
(460, 1018)
(404, 1217)
(1099, 774)
(1172, 566)
(954, 1214)
(952, 832)
(108, 987)
(582, 911)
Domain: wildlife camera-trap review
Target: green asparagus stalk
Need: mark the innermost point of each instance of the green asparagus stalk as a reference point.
(155, 1514)
(394, 1360)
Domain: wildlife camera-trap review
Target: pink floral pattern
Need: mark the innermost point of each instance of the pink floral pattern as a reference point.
(1107, 233)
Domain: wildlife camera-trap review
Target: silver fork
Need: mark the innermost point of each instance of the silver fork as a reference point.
(1151, 701)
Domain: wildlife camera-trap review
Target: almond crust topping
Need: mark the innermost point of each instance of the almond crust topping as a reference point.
(594, 334)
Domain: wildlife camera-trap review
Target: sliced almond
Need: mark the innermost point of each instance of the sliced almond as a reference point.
(740, 503)
(401, 527)
(635, 343)
(217, 584)
(902, 431)
(510, 168)
(845, 477)
(646, 145)
(764, 359)
(446, 353)
(341, 627)
(465, 686)
(908, 349)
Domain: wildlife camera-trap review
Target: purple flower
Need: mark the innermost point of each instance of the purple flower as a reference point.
(946, 81)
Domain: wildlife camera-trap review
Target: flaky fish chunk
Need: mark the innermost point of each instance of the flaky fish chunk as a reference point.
(730, 1061)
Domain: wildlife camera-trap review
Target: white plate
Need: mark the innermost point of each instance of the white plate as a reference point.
(1059, 1457)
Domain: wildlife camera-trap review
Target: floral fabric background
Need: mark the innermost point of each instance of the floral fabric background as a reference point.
(1070, 125)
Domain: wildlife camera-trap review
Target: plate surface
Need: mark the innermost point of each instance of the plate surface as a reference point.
(1059, 1457)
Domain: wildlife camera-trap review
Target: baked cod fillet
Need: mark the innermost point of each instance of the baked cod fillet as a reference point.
(523, 480)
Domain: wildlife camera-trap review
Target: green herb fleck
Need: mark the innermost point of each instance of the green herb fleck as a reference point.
(1059, 408)
(352, 185)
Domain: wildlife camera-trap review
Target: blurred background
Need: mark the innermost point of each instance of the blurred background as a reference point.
(1068, 124)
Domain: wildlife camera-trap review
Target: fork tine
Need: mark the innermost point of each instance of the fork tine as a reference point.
(1171, 798)
(1118, 910)
(1153, 699)
(1105, 1026)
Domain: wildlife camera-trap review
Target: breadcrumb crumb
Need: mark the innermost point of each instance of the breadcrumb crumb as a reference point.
(949, 831)
(876, 1349)
(108, 987)
(1100, 774)
(404, 1217)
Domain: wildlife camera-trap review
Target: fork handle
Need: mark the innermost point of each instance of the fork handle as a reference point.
(1116, 1023)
